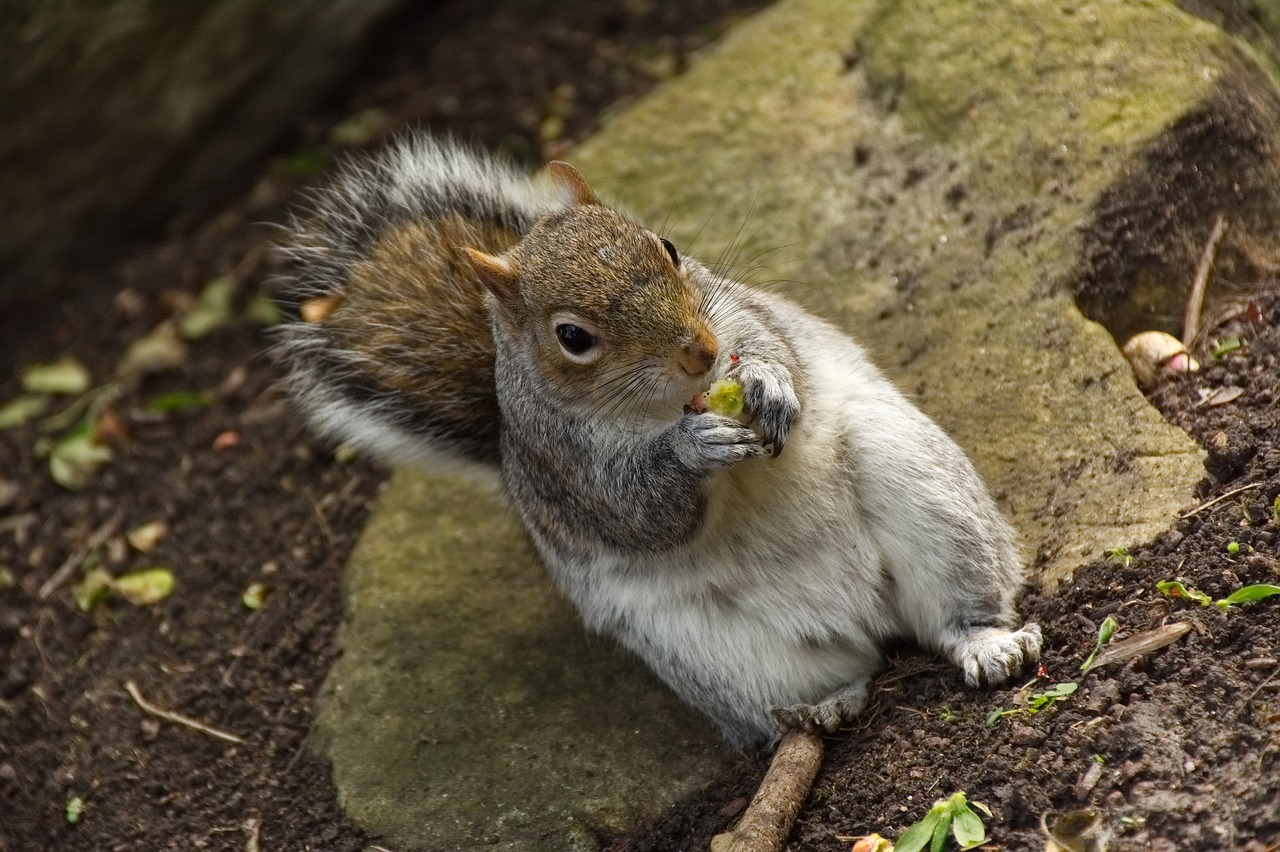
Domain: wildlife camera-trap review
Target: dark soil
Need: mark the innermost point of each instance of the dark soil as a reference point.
(1177, 749)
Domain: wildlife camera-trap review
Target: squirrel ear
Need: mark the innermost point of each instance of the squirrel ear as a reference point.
(571, 182)
(497, 274)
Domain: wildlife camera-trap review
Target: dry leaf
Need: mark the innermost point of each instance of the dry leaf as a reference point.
(1143, 643)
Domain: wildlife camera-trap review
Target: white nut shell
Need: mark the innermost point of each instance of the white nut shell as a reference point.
(1153, 353)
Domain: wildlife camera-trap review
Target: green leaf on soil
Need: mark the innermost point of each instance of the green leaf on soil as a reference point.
(213, 311)
(180, 401)
(1275, 510)
(93, 586)
(952, 815)
(1120, 556)
(1105, 632)
(1036, 701)
(64, 376)
(262, 310)
(359, 128)
(254, 596)
(1227, 346)
(1054, 693)
(1174, 589)
(22, 408)
(156, 351)
(146, 587)
(74, 809)
(1249, 594)
(7, 580)
(918, 836)
(305, 163)
(967, 828)
(76, 457)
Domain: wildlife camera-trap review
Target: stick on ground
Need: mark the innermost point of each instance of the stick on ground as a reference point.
(1195, 299)
(177, 718)
(767, 821)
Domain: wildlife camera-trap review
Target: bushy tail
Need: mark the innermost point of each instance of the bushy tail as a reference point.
(392, 350)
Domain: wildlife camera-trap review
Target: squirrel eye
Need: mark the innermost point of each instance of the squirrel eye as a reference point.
(671, 250)
(575, 340)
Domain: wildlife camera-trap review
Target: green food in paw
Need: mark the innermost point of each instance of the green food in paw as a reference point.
(725, 398)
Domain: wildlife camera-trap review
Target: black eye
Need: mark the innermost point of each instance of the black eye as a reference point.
(671, 250)
(574, 339)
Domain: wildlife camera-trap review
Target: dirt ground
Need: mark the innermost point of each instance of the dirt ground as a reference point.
(1178, 748)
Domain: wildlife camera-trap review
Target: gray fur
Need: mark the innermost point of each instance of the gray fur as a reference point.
(760, 585)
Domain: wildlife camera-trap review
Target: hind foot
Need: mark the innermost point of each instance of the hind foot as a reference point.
(826, 717)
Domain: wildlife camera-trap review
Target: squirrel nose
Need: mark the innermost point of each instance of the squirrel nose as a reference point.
(699, 354)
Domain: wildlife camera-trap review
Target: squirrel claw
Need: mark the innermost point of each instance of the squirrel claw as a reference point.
(711, 441)
(770, 401)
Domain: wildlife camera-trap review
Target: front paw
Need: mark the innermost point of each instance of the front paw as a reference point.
(713, 442)
(995, 655)
(770, 400)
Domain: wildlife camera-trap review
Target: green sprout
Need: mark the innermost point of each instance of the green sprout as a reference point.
(1119, 555)
(1231, 344)
(1037, 701)
(1105, 632)
(1244, 595)
(951, 814)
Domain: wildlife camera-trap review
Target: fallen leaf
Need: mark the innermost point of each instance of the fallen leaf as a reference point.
(158, 350)
(1221, 396)
(64, 376)
(360, 128)
(75, 458)
(262, 310)
(144, 538)
(212, 312)
(146, 587)
(180, 401)
(254, 596)
(95, 583)
(1073, 831)
(22, 408)
(1227, 346)
(1143, 643)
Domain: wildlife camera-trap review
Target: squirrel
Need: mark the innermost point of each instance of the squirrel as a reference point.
(455, 310)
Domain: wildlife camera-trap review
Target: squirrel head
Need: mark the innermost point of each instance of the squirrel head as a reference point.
(609, 310)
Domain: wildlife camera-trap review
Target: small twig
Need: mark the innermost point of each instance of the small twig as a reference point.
(1199, 284)
(1198, 509)
(77, 557)
(252, 828)
(767, 821)
(1263, 685)
(178, 719)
